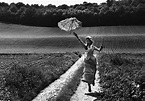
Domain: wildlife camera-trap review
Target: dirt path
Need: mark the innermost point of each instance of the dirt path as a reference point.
(63, 88)
(82, 93)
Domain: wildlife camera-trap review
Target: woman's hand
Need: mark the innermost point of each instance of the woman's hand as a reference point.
(101, 48)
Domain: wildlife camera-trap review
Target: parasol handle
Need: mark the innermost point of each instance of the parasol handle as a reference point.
(102, 44)
(75, 34)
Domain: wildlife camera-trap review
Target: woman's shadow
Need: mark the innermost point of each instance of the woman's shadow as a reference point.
(97, 95)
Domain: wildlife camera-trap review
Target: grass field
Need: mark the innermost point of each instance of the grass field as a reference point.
(70, 44)
(20, 31)
(122, 77)
(23, 76)
(22, 39)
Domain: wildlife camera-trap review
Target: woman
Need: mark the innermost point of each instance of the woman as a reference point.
(89, 61)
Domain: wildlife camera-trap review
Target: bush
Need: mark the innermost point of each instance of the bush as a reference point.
(23, 76)
(121, 78)
(25, 83)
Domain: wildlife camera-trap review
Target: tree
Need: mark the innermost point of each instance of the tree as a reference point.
(13, 8)
(109, 2)
(35, 6)
(111, 12)
(20, 11)
(3, 4)
(64, 6)
(51, 6)
(19, 5)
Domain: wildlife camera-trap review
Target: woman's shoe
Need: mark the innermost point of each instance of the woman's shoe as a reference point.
(93, 83)
(89, 90)
(84, 81)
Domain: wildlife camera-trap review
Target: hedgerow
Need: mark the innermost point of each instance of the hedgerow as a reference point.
(122, 77)
(23, 76)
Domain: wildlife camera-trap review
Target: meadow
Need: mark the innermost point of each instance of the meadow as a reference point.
(122, 77)
(33, 57)
(116, 44)
(26, 39)
(23, 76)
(21, 31)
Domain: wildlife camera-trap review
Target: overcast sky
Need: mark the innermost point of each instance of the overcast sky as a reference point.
(54, 2)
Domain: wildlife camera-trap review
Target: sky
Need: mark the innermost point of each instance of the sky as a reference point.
(54, 2)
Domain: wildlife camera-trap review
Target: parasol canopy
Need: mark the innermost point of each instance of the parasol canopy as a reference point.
(69, 24)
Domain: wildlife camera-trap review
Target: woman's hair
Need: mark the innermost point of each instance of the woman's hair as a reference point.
(90, 38)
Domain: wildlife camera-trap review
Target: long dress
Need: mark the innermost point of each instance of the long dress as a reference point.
(89, 66)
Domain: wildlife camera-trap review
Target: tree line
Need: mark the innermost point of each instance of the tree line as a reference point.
(109, 13)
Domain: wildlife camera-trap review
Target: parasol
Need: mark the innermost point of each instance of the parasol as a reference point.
(69, 24)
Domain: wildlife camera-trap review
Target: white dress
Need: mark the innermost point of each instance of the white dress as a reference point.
(89, 66)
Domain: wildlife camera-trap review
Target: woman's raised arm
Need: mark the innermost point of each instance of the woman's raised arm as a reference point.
(98, 49)
(80, 40)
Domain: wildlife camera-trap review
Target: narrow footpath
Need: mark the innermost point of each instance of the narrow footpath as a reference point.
(68, 88)
(82, 93)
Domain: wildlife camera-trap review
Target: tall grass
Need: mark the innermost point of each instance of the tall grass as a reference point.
(122, 77)
(23, 76)
(115, 43)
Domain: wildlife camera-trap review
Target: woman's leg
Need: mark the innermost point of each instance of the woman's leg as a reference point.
(93, 82)
(89, 87)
